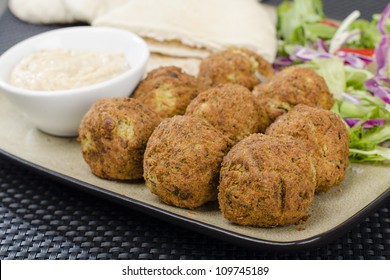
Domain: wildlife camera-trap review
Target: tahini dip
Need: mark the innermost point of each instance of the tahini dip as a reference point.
(61, 69)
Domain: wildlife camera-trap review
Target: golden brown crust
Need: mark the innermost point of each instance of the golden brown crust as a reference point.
(231, 108)
(266, 181)
(327, 136)
(113, 136)
(234, 65)
(167, 91)
(293, 85)
(182, 161)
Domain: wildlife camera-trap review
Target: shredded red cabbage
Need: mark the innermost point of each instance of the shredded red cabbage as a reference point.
(374, 122)
(366, 59)
(380, 84)
(367, 124)
(351, 122)
(377, 86)
(354, 60)
(306, 54)
(283, 61)
(363, 58)
(383, 48)
(351, 98)
(321, 46)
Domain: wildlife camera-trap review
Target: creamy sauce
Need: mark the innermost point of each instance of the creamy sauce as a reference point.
(61, 69)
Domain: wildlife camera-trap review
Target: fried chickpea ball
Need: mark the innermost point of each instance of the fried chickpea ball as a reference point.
(233, 65)
(113, 136)
(291, 86)
(327, 137)
(182, 161)
(231, 108)
(167, 91)
(266, 181)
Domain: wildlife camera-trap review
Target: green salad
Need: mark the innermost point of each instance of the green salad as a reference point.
(353, 56)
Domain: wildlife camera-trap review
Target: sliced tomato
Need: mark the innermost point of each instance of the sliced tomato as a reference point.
(365, 52)
(329, 23)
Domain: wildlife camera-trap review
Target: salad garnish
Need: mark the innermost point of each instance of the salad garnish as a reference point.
(354, 59)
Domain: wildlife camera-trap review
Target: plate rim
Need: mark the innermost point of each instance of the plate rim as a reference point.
(201, 227)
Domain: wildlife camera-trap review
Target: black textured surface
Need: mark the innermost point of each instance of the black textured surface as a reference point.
(13, 30)
(43, 219)
(339, 9)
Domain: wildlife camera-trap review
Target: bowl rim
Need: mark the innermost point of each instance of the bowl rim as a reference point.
(6, 86)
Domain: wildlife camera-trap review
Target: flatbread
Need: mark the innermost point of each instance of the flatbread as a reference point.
(88, 10)
(176, 28)
(211, 25)
(61, 11)
(188, 65)
(176, 49)
(41, 11)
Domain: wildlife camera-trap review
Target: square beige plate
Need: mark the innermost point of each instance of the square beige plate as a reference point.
(365, 186)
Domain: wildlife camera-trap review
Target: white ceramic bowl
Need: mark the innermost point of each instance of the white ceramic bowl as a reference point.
(60, 112)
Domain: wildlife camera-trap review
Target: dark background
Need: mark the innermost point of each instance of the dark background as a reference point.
(43, 219)
(339, 9)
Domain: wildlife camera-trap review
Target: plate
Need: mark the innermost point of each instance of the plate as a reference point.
(333, 213)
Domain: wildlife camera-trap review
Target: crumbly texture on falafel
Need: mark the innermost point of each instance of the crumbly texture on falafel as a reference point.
(113, 136)
(327, 137)
(231, 108)
(182, 161)
(291, 86)
(233, 65)
(266, 181)
(167, 90)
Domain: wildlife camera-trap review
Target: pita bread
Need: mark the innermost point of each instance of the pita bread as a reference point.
(188, 65)
(177, 28)
(198, 25)
(175, 49)
(41, 11)
(61, 11)
(88, 10)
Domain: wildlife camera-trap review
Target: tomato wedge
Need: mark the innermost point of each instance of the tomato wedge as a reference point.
(329, 23)
(365, 52)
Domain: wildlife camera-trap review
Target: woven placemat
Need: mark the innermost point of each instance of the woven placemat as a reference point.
(44, 219)
(339, 9)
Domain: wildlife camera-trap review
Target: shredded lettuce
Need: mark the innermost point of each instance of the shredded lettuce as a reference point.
(299, 22)
(355, 77)
(369, 37)
(332, 70)
(297, 14)
(369, 139)
(377, 154)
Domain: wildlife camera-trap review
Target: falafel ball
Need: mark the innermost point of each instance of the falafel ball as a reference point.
(231, 108)
(233, 65)
(266, 181)
(113, 136)
(182, 161)
(327, 137)
(167, 90)
(291, 86)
